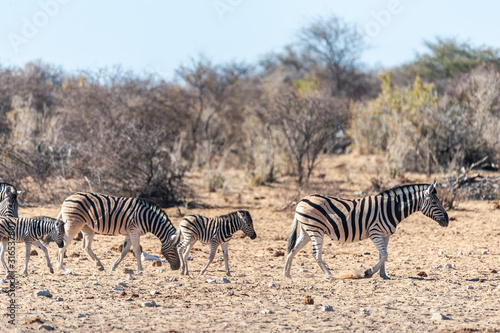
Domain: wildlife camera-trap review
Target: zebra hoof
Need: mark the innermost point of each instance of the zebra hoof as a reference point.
(368, 273)
(101, 268)
(51, 271)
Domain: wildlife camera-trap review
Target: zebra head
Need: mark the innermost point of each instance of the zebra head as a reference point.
(56, 234)
(9, 205)
(169, 250)
(432, 207)
(246, 224)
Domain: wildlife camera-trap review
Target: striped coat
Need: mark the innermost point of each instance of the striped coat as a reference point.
(30, 231)
(350, 220)
(215, 231)
(111, 215)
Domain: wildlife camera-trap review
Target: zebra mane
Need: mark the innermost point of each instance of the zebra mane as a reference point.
(44, 219)
(392, 191)
(155, 208)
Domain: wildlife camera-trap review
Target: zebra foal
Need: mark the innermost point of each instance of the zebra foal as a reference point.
(8, 200)
(30, 231)
(216, 231)
(350, 220)
(110, 215)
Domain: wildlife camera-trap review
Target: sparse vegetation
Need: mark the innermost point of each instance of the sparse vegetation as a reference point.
(118, 132)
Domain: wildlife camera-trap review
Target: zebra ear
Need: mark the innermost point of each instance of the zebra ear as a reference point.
(431, 189)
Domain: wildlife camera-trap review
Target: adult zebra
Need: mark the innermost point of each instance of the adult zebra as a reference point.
(30, 231)
(110, 215)
(216, 231)
(348, 220)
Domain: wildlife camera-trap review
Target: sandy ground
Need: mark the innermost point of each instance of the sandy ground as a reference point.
(460, 264)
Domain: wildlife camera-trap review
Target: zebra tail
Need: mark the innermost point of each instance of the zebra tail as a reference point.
(292, 238)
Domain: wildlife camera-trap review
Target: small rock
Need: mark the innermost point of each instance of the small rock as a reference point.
(484, 252)
(59, 299)
(156, 263)
(266, 311)
(46, 327)
(460, 253)
(81, 315)
(308, 300)
(374, 282)
(498, 288)
(67, 271)
(224, 280)
(326, 308)
(449, 265)
(219, 259)
(130, 277)
(311, 287)
(295, 310)
(153, 292)
(422, 274)
(172, 279)
(3, 281)
(95, 283)
(107, 251)
(190, 258)
(210, 280)
(118, 289)
(364, 311)
(494, 271)
(151, 304)
(439, 266)
(44, 293)
(121, 284)
(440, 253)
(468, 287)
(33, 253)
(302, 270)
(128, 271)
(360, 265)
(271, 285)
(95, 274)
(230, 293)
(438, 316)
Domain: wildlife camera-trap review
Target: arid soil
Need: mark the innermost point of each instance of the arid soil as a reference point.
(451, 271)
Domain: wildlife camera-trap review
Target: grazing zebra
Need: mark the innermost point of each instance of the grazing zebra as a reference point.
(8, 200)
(216, 231)
(30, 231)
(110, 215)
(351, 220)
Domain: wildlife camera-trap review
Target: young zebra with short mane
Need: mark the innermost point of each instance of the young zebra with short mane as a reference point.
(30, 231)
(110, 215)
(350, 220)
(8, 200)
(216, 231)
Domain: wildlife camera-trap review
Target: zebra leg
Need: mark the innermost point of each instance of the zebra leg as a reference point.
(226, 257)
(213, 248)
(28, 253)
(2, 254)
(317, 251)
(382, 267)
(301, 242)
(68, 236)
(44, 249)
(381, 245)
(127, 243)
(183, 254)
(88, 236)
(135, 240)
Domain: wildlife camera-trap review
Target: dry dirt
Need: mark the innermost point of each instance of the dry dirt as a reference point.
(451, 270)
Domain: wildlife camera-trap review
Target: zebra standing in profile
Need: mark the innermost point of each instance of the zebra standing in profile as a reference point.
(216, 231)
(30, 231)
(110, 215)
(375, 217)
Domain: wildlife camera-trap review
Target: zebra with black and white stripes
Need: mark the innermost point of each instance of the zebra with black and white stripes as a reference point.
(8, 200)
(350, 220)
(30, 231)
(216, 231)
(111, 215)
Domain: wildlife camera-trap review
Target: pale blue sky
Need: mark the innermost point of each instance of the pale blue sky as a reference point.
(160, 35)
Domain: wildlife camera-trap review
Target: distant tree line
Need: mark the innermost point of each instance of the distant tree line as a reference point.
(137, 135)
